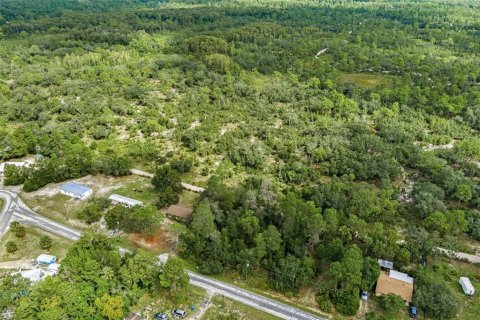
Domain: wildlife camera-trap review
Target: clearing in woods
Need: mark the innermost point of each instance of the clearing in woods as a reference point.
(366, 80)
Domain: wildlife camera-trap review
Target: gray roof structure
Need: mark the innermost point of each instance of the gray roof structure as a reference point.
(125, 200)
(400, 276)
(75, 188)
(385, 264)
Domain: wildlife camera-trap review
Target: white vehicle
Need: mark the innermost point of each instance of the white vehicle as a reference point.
(179, 313)
(467, 286)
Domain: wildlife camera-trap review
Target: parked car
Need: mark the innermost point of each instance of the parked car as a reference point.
(364, 296)
(412, 311)
(178, 313)
(424, 261)
(160, 316)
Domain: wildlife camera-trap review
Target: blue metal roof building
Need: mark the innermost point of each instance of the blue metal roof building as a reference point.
(76, 190)
(46, 259)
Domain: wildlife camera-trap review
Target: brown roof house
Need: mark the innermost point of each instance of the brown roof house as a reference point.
(397, 283)
(179, 212)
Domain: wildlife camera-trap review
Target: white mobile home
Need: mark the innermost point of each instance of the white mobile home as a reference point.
(467, 286)
(124, 201)
(76, 190)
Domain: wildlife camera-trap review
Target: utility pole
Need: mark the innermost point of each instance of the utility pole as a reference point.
(246, 269)
(65, 212)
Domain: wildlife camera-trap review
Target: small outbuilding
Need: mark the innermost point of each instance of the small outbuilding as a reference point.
(385, 264)
(76, 190)
(53, 269)
(467, 286)
(178, 212)
(124, 201)
(46, 259)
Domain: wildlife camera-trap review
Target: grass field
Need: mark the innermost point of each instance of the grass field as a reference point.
(58, 207)
(224, 307)
(138, 188)
(29, 248)
(366, 80)
(188, 198)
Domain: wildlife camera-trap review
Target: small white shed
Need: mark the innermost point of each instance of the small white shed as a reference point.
(467, 286)
(124, 201)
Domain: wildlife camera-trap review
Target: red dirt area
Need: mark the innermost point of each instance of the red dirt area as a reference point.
(157, 243)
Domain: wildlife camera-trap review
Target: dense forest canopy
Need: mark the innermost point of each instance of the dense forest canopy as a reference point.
(328, 133)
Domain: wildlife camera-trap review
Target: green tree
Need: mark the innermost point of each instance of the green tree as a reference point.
(392, 303)
(11, 246)
(370, 273)
(436, 299)
(14, 175)
(347, 273)
(173, 275)
(427, 198)
(145, 220)
(437, 222)
(45, 242)
(166, 177)
(110, 307)
(167, 197)
(291, 273)
(420, 243)
(140, 271)
(90, 214)
(12, 288)
(463, 193)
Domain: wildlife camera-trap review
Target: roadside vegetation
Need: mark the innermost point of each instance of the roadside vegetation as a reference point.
(225, 309)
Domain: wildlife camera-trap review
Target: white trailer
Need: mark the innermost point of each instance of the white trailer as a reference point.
(467, 286)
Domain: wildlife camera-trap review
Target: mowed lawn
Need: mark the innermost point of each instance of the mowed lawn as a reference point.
(29, 246)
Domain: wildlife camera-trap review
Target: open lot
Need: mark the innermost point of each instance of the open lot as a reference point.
(51, 204)
(366, 80)
(164, 240)
(29, 248)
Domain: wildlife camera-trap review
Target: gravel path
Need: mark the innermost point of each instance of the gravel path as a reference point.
(186, 186)
(17, 264)
(461, 255)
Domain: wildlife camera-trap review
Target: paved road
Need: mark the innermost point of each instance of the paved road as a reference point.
(6, 212)
(256, 301)
(16, 210)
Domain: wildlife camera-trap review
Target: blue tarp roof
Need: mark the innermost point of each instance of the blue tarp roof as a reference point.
(75, 188)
